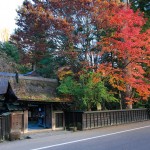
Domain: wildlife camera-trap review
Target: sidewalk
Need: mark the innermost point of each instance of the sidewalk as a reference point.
(33, 134)
(43, 133)
(34, 130)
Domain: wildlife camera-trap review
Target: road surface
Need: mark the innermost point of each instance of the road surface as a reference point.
(135, 136)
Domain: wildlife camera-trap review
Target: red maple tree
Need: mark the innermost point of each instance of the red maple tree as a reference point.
(128, 50)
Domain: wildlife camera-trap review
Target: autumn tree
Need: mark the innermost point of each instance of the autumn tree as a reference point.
(128, 50)
(100, 36)
(38, 29)
(44, 26)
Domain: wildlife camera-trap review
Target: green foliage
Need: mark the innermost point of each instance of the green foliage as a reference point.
(10, 50)
(95, 92)
(46, 67)
(23, 69)
(6, 63)
(11, 53)
(68, 86)
(85, 92)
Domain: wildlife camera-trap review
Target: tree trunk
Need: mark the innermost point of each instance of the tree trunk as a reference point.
(33, 67)
(99, 106)
(128, 94)
(129, 106)
(120, 97)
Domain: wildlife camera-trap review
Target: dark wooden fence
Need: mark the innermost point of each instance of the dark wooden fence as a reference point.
(73, 119)
(4, 127)
(96, 119)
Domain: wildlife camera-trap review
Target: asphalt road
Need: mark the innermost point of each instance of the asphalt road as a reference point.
(135, 136)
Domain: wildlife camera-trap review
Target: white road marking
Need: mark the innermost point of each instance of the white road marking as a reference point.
(86, 139)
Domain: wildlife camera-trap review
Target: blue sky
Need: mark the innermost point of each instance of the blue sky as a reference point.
(8, 14)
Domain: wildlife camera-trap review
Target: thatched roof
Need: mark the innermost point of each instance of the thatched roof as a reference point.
(33, 88)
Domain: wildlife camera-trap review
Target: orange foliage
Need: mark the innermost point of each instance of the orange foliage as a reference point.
(130, 46)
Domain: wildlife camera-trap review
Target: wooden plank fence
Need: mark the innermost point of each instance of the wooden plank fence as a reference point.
(97, 119)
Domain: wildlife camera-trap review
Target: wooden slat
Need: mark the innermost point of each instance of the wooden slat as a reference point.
(106, 118)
